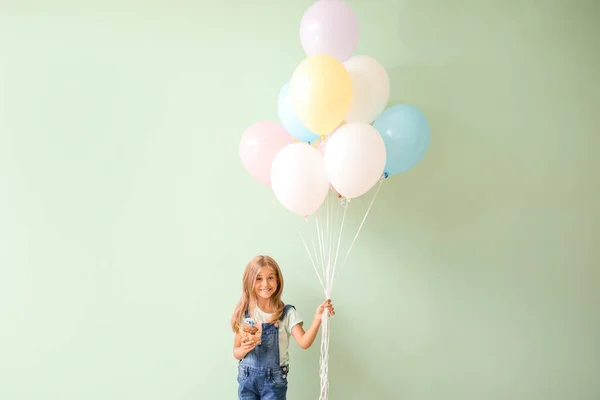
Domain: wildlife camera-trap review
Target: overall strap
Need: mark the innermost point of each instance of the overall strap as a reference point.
(285, 311)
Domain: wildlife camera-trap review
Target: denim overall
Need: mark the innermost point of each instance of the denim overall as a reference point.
(260, 377)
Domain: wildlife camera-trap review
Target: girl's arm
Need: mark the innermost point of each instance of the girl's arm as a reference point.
(306, 339)
(240, 350)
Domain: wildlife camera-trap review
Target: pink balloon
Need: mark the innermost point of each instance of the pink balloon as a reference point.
(329, 27)
(260, 144)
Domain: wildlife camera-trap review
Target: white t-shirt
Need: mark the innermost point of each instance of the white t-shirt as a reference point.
(290, 320)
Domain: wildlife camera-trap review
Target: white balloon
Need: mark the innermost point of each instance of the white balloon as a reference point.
(298, 178)
(355, 159)
(370, 88)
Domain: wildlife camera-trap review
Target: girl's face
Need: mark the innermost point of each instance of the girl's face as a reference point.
(266, 283)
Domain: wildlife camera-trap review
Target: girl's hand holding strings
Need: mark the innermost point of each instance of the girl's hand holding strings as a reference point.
(325, 306)
(306, 338)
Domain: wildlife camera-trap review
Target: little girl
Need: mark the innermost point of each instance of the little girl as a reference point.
(264, 363)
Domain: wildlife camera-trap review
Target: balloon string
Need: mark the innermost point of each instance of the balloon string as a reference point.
(326, 252)
(362, 223)
(324, 359)
(312, 261)
(337, 251)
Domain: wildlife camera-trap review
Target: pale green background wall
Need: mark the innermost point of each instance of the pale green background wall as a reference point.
(126, 217)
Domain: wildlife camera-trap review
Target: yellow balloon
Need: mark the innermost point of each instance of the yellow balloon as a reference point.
(321, 93)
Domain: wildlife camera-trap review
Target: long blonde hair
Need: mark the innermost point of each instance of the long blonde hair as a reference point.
(248, 300)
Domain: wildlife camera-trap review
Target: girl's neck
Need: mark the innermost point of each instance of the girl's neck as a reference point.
(265, 305)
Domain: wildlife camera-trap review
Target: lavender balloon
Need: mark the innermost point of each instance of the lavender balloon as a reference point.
(329, 27)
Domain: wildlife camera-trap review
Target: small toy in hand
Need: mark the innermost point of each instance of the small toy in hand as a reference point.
(251, 331)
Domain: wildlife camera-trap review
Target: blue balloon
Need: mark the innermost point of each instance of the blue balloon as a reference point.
(405, 132)
(290, 120)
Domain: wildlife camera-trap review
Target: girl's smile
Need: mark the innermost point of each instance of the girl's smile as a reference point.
(266, 283)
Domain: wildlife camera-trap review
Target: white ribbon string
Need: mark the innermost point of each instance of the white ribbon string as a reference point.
(324, 259)
(361, 225)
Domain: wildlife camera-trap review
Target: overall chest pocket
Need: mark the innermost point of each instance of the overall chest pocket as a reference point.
(268, 341)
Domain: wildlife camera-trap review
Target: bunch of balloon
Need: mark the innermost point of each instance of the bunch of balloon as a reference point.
(339, 100)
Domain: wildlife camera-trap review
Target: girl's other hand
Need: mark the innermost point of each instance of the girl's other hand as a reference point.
(325, 306)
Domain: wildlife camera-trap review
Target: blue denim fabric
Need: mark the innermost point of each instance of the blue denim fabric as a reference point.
(260, 377)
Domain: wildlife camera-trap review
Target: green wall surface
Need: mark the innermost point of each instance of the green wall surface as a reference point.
(126, 216)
